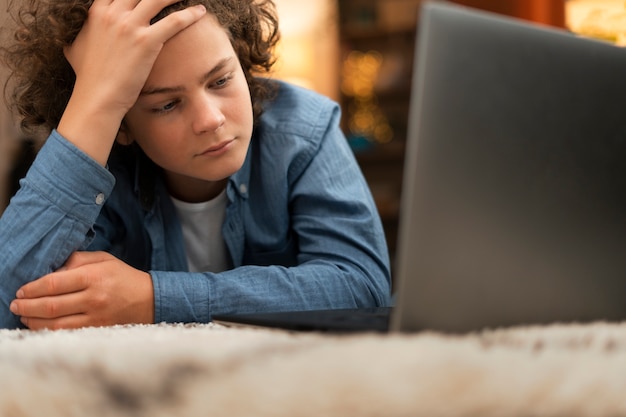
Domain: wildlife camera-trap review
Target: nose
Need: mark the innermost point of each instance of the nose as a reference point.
(207, 115)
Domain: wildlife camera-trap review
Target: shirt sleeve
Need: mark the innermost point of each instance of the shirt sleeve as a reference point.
(50, 217)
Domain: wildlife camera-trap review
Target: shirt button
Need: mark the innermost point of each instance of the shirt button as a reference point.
(100, 199)
(243, 188)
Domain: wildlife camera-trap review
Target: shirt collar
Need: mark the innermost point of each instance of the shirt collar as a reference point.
(239, 182)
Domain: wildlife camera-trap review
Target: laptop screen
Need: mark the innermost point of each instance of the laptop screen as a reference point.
(514, 198)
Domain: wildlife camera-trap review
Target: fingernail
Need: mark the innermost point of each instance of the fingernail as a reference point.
(19, 294)
(13, 307)
(200, 8)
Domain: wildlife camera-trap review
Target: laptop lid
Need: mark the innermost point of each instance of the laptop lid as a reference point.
(514, 195)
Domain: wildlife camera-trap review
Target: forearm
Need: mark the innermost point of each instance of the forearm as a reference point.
(91, 125)
(196, 297)
(49, 218)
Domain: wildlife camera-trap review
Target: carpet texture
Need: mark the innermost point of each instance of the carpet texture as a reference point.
(210, 370)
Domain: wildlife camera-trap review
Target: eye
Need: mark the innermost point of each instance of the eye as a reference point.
(222, 82)
(166, 108)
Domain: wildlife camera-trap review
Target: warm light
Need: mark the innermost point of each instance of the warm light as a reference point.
(366, 120)
(602, 19)
(308, 51)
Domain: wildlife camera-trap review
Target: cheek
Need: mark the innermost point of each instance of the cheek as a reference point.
(153, 137)
(160, 147)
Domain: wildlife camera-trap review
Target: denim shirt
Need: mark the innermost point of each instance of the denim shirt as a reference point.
(301, 226)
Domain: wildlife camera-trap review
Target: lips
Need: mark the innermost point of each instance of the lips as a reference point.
(220, 147)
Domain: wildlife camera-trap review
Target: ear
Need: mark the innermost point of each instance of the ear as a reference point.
(123, 135)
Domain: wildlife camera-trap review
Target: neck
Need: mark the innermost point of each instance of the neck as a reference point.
(192, 190)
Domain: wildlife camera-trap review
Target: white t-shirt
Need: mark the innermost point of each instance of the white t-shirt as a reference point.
(202, 232)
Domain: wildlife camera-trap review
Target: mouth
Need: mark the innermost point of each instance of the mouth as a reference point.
(217, 149)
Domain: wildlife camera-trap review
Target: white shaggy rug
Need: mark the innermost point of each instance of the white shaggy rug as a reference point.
(209, 370)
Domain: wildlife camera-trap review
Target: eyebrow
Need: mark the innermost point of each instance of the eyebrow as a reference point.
(149, 90)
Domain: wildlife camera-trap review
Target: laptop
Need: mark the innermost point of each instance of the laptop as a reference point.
(514, 195)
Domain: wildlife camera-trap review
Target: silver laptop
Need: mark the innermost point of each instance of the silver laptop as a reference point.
(514, 194)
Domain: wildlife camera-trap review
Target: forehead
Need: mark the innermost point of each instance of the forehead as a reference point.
(205, 32)
(198, 47)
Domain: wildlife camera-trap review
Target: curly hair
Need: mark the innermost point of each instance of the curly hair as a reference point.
(42, 79)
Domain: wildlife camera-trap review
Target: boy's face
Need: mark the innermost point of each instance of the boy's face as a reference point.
(194, 115)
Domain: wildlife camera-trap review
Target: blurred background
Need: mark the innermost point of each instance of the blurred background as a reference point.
(360, 53)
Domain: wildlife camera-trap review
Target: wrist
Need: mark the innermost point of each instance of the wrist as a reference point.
(91, 126)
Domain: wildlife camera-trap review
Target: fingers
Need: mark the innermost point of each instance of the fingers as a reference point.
(57, 294)
(57, 283)
(48, 307)
(113, 54)
(68, 322)
(67, 280)
(145, 11)
(177, 21)
(149, 9)
(93, 289)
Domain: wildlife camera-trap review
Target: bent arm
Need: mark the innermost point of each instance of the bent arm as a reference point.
(49, 218)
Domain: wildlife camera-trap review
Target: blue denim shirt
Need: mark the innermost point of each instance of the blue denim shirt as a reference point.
(301, 226)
